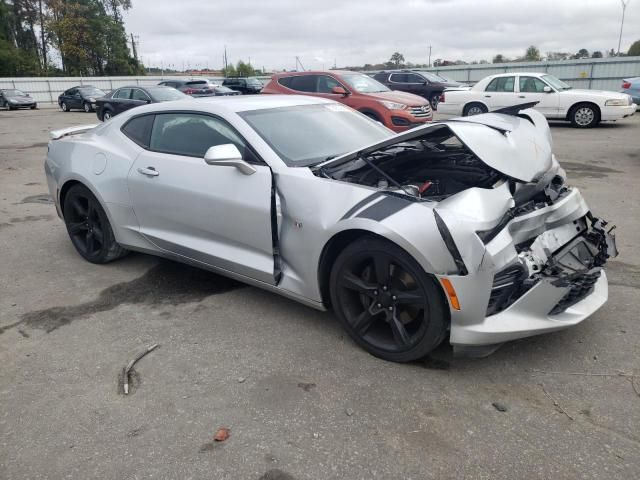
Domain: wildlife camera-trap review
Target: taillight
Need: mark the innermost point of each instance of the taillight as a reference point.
(189, 91)
(441, 99)
(626, 85)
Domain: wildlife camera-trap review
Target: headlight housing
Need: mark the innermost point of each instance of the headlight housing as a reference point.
(393, 105)
(92, 100)
(616, 102)
(12, 101)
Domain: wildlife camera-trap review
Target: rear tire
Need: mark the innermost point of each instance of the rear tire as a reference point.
(474, 108)
(433, 100)
(386, 302)
(87, 107)
(584, 115)
(64, 107)
(89, 228)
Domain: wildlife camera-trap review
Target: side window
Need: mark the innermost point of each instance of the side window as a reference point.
(398, 78)
(139, 95)
(327, 83)
(413, 78)
(138, 129)
(285, 81)
(531, 85)
(501, 84)
(304, 83)
(123, 93)
(192, 134)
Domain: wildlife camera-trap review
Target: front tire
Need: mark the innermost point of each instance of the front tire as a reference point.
(584, 115)
(386, 302)
(89, 228)
(106, 115)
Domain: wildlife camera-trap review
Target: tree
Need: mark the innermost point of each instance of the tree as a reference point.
(634, 49)
(532, 54)
(499, 58)
(397, 59)
(582, 53)
(596, 54)
(230, 71)
(244, 69)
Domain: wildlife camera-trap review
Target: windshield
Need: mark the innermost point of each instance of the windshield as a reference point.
(363, 83)
(166, 94)
(223, 89)
(304, 135)
(556, 82)
(254, 81)
(92, 92)
(14, 93)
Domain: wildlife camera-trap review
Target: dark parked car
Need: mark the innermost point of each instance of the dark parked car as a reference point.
(125, 98)
(425, 84)
(11, 98)
(245, 85)
(82, 97)
(195, 88)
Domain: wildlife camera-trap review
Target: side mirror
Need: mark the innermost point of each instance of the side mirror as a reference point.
(339, 91)
(547, 89)
(228, 155)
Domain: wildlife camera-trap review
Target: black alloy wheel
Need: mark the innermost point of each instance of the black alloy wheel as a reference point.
(89, 228)
(386, 302)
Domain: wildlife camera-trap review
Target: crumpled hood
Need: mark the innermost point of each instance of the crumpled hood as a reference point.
(517, 146)
(399, 97)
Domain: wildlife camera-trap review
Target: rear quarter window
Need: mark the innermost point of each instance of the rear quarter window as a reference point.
(285, 81)
(138, 130)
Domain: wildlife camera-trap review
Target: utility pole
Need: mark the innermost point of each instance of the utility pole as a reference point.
(44, 44)
(429, 56)
(624, 7)
(225, 61)
(298, 62)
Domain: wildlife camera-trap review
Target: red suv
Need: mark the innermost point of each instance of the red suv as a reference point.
(398, 111)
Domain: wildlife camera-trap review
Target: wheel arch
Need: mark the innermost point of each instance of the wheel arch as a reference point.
(341, 240)
(371, 111)
(471, 102)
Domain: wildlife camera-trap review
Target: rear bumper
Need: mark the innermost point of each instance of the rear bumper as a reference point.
(617, 113)
(449, 108)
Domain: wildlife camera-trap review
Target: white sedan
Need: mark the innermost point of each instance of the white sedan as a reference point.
(556, 100)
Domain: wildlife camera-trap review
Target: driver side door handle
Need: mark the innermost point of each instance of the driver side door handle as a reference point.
(149, 171)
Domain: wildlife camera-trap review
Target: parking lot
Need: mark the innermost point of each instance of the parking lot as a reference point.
(301, 400)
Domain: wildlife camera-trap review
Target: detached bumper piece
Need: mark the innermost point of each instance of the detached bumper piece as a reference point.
(577, 266)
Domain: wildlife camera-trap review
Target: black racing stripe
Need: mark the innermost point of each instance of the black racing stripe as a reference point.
(361, 204)
(384, 208)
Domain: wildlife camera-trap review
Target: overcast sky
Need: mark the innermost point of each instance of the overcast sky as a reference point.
(354, 32)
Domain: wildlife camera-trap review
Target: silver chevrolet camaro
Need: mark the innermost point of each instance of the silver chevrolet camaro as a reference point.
(462, 229)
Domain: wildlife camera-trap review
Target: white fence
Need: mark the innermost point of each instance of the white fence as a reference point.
(598, 73)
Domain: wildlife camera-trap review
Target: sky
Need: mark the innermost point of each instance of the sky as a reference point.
(271, 33)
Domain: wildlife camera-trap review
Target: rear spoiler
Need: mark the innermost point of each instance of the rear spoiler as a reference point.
(65, 132)
(515, 109)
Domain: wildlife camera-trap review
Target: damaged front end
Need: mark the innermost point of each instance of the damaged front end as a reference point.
(528, 252)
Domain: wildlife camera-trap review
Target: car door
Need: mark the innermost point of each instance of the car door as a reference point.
(67, 96)
(531, 89)
(139, 97)
(398, 81)
(121, 100)
(75, 100)
(500, 93)
(211, 214)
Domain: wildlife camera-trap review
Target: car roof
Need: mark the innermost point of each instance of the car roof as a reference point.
(511, 74)
(235, 104)
(316, 72)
